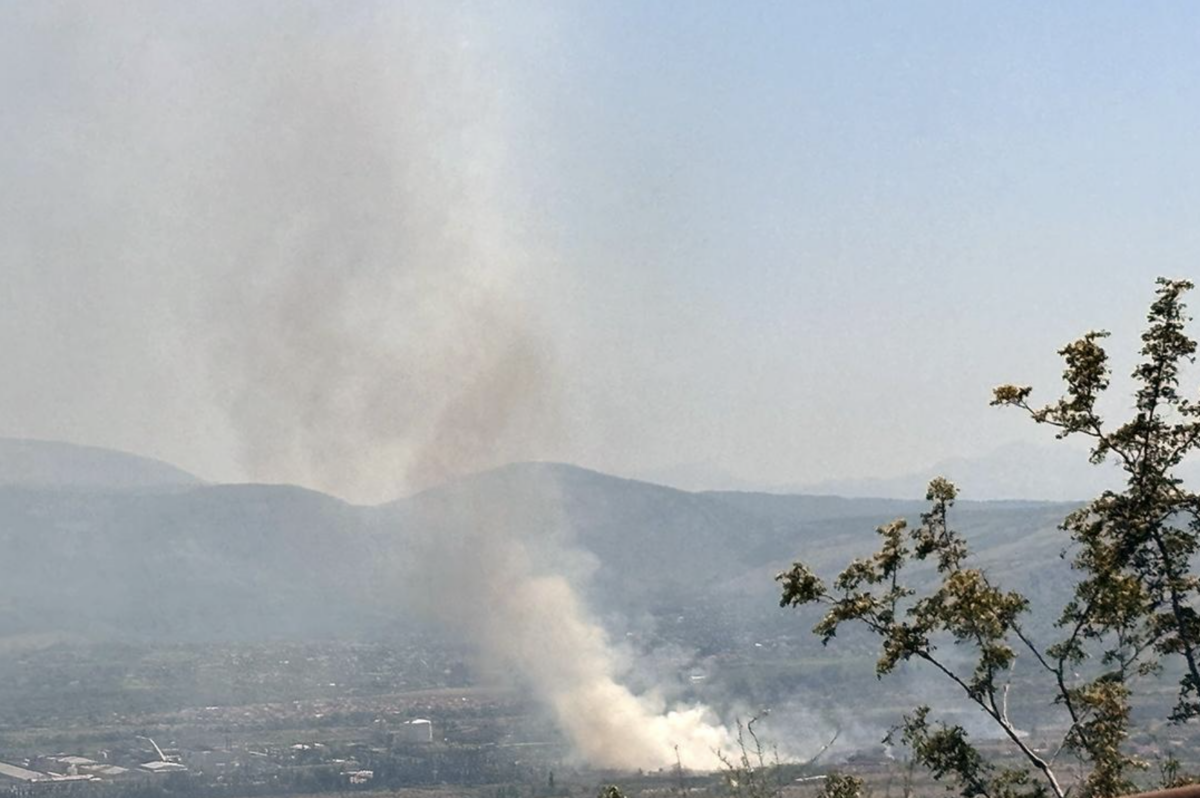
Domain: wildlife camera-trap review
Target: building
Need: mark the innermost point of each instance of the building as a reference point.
(162, 768)
(12, 775)
(66, 765)
(104, 771)
(211, 759)
(418, 730)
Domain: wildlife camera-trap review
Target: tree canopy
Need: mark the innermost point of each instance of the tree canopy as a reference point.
(1132, 609)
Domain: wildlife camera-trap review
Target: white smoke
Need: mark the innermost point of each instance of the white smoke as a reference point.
(334, 183)
(535, 625)
(509, 592)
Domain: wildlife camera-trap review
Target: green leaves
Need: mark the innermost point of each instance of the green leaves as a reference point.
(1135, 602)
(800, 586)
(1010, 394)
(934, 537)
(1105, 704)
(1136, 589)
(841, 785)
(965, 604)
(945, 751)
(963, 607)
(1135, 599)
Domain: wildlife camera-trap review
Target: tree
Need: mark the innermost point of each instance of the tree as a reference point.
(1132, 609)
(750, 774)
(841, 785)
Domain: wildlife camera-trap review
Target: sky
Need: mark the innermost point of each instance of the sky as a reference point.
(368, 246)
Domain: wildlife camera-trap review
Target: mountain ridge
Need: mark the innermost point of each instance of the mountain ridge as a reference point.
(35, 462)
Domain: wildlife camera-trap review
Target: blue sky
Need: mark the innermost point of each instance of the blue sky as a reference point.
(792, 241)
(869, 213)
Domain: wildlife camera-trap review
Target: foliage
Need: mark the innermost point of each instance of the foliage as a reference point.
(749, 774)
(1170, 774)
(1134, 604)
(841, 785)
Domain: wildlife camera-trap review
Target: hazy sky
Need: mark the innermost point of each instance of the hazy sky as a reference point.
(318, 241)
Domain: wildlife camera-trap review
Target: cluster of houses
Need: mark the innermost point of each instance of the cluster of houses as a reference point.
(51, 770)
(45, 772)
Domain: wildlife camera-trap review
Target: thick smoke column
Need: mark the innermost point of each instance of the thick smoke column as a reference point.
(508, 593)
(377, 330)
(536, 624)
(331, 187)
(475, 385)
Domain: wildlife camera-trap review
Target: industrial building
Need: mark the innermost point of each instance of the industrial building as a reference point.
(418, 730)
(15, 774)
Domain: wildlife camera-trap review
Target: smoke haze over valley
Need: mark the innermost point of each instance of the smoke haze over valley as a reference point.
(279, 563)
(402, 389)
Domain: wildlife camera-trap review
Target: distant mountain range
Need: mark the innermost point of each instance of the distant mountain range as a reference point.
(1016, 471)
(179, 559)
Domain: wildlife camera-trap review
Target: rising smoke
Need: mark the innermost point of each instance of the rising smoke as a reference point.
(375, 336)
(510, 589)
(338, 184)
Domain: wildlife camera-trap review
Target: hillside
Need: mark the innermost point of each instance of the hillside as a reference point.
(52, 464)
(200, 563)
(217, 562)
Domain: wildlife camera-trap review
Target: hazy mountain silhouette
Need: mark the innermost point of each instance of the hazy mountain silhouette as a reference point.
(56, 464)
(1039, 472)
(247, 561)
(1015, 471)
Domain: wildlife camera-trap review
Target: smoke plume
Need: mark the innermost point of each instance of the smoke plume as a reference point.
(536, 624)
(376, 334)
(458, 379)
(510, 590)
(331, 187)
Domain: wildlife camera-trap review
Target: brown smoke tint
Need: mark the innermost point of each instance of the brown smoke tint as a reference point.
(331, 186)
(374, 338)
(374, 334)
